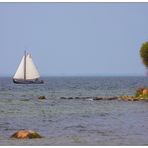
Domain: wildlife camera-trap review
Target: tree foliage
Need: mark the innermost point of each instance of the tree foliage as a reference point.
(144, 54)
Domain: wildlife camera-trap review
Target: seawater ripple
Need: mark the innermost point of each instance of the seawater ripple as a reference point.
(69, 116)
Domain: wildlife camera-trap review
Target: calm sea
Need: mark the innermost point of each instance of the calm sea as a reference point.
(74, 121)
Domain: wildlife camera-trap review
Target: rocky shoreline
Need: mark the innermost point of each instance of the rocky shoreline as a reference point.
(141, 94)
(123, 98)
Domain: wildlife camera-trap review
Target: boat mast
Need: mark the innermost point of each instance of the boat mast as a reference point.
(25, 65)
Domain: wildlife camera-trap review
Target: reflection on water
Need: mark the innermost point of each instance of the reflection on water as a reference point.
(74, 121)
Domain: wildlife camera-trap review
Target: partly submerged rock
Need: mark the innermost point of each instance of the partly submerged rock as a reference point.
(68, 98)
(91, 98)
(41, 97)
(97, 98)
(105, 98)
(130, 98)
(108, 98)
(26, 134)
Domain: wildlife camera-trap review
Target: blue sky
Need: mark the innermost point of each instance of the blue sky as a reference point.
(74, 38)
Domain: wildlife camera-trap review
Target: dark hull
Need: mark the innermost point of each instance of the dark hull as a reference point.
(28, 81)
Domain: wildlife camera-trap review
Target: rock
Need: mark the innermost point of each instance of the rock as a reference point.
(70, 98)
(129, 98)
(136, 99)
(145, 91)
(105, 98)
(77, 98)
(125, 98)
(26, 134)
(63, 98)
(112, 98)
(97, 98)
(41, 97)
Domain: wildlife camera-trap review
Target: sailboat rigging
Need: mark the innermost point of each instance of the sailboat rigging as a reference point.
(27, 72)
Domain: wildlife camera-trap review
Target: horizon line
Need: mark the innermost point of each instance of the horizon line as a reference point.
(125, 75)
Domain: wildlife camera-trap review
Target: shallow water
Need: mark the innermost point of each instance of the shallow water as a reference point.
(74, 121)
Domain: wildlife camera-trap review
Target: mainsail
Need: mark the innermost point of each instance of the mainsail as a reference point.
(26, 69)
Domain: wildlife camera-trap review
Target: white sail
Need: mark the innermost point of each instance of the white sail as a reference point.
(31, 71)
(20, 70)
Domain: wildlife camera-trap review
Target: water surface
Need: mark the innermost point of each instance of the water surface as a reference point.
(74, 121)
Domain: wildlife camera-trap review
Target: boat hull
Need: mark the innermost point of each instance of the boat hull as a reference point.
(28, 81)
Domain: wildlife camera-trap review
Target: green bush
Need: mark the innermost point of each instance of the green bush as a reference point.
(144, 54)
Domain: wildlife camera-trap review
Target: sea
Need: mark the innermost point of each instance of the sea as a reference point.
(74, 122)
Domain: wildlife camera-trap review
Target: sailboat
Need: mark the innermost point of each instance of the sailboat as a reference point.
(27, 72)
